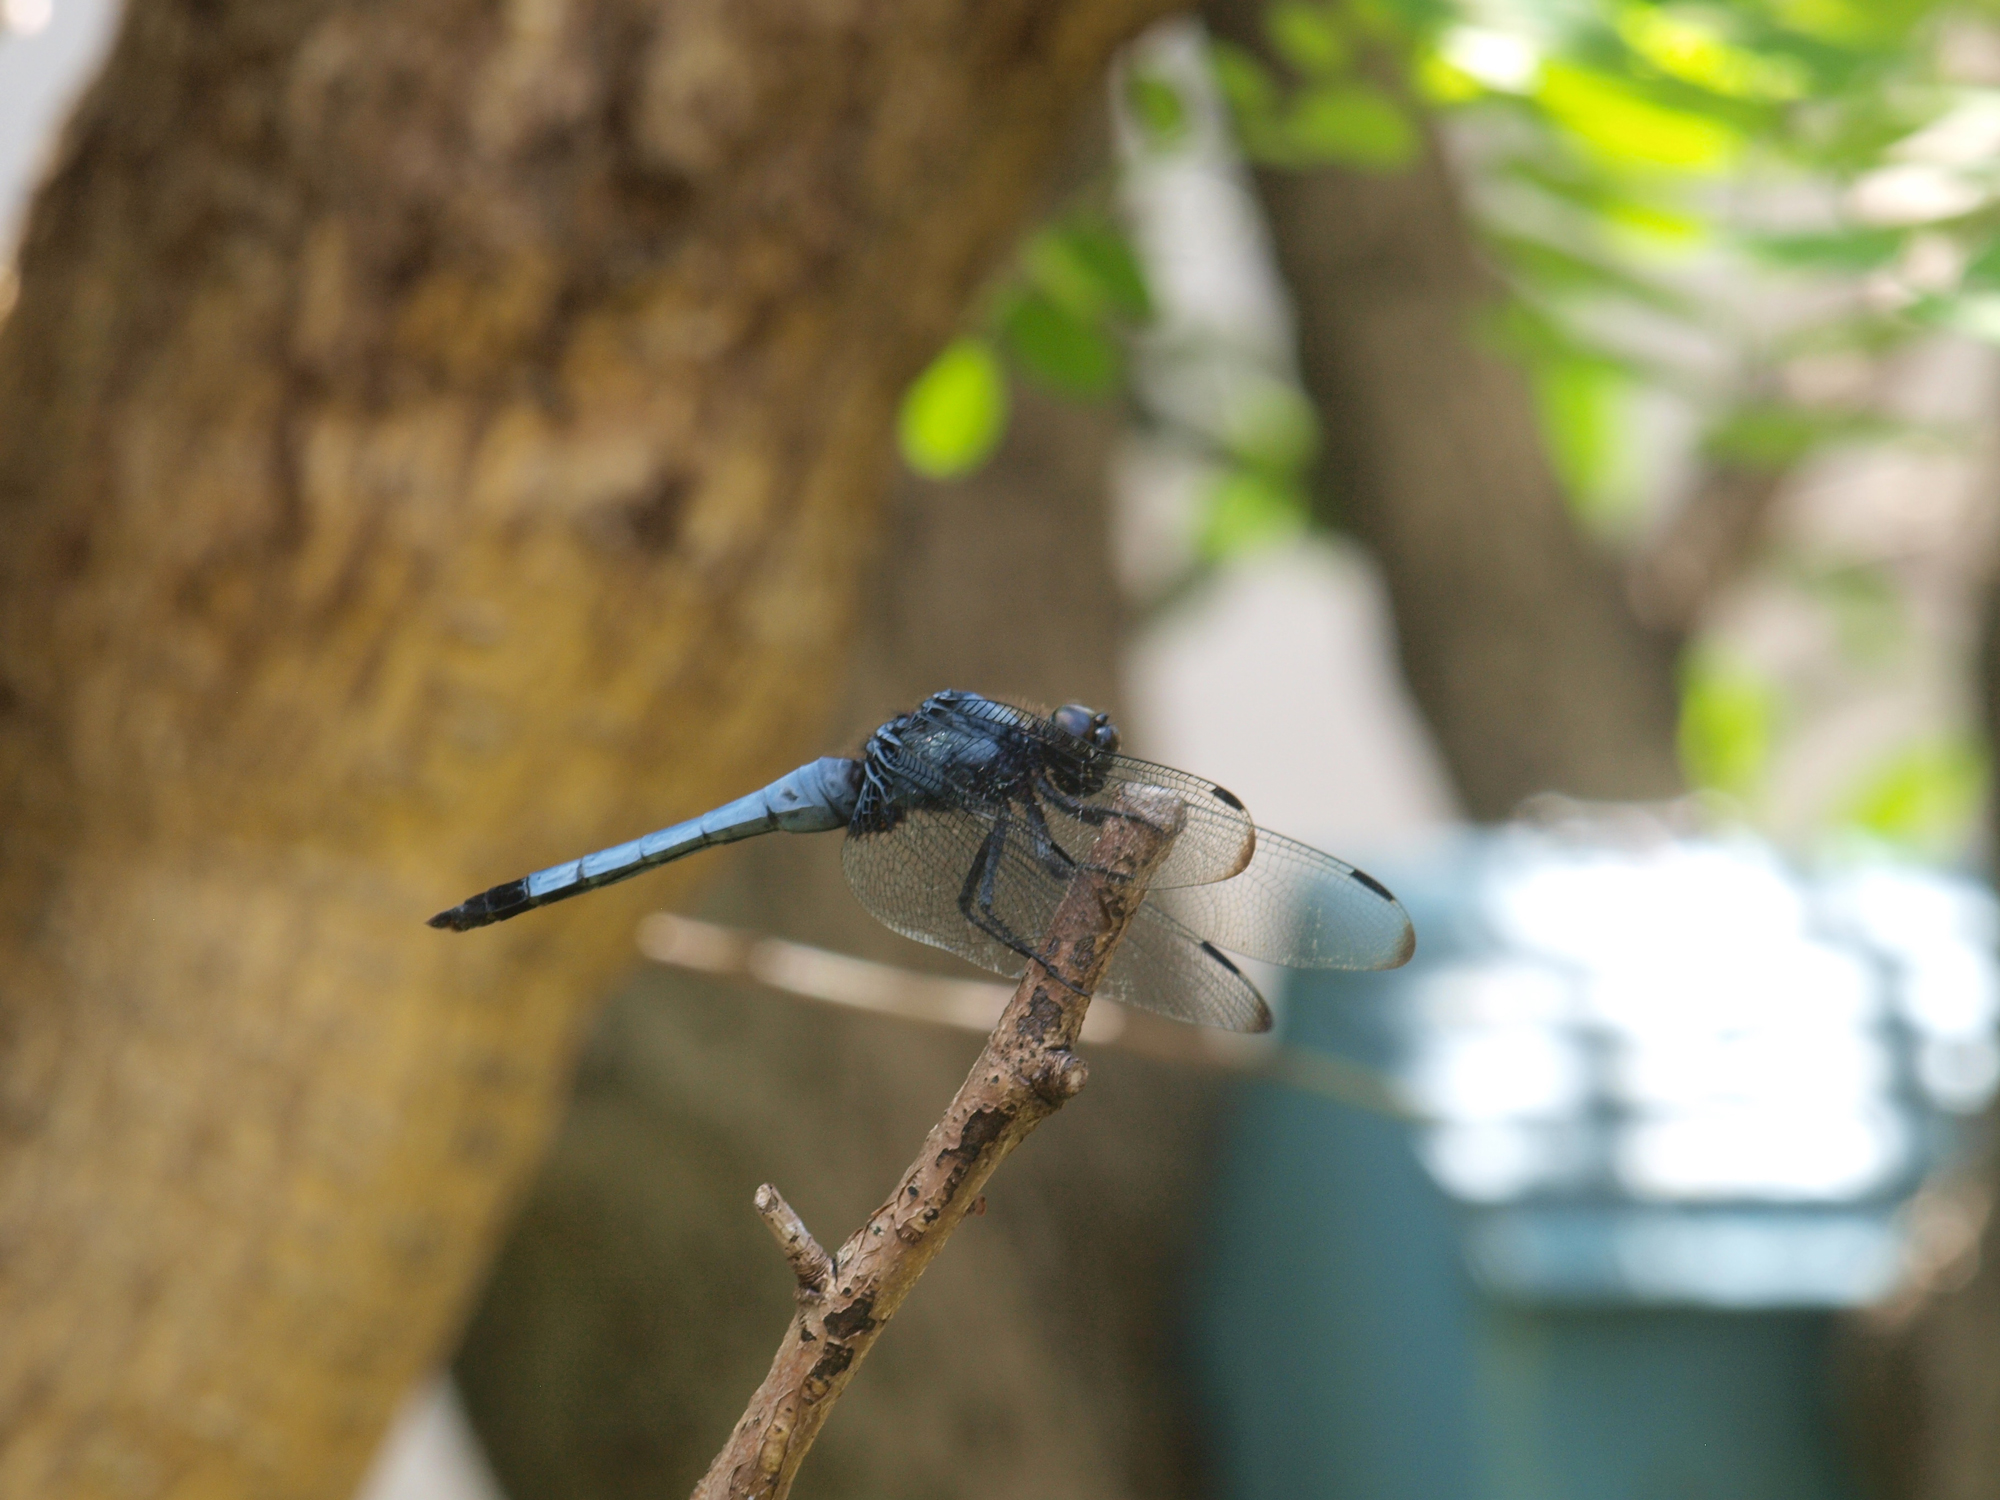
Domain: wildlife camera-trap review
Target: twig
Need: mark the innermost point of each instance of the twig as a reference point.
(811, 1265)
(1025, 1073)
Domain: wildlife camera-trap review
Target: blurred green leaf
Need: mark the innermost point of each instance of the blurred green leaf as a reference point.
(954, 414)
(1067, 352)
(1690, 46)
(1866, 606)
(1307, 36)
(1089, 266)
(1729, 723)
(1622, 123)
(1858, 25)
(1767, 435)
(1271, 427)
(1247, 509)
(1925, 795)
(1157, 108)
(1561, 268)
(1582, 406)
(1246, 85)
(1852, 251)
(1354, 125)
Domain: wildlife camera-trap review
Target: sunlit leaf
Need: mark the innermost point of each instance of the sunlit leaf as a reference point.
(1440, 81)
(1245, 83)
(1354, 125)
(1729, 723)
(1157, 108)
(1561, 268)
(1925, 795)
(954, 414)
(1068, 353)
(1692, 48)
(1247, 509)
(1307, 36)
(1089, 266)
(1852, 251)
(1582, 406)
(1271, 427)
(1763, 435)
(1621, 123)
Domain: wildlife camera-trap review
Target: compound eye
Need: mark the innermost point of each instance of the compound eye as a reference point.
(1075, 719)
(1104, 734)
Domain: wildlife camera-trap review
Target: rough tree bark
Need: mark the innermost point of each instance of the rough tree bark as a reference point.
(1515, 634)
(438, 437)
(632, 1306)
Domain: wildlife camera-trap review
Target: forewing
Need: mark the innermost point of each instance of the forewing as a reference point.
(1298, 907)
(1162, 967)
(1219, 839)
(1219, 836)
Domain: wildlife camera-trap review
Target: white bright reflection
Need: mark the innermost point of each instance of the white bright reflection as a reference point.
(1689, 1021)
(1959, 1073)
(1776, 1154)
(1912, 911)
(1498, 59)
(1498, 1073)
(1805, 1071)
(1494, 1161)
(1950, 992)
(1603, 906)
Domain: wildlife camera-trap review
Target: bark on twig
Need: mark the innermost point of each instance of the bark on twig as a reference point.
(1024, 1074)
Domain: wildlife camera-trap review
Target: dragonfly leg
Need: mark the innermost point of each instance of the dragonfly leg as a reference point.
(1084, 812)
(1055, 859)
(975, 898)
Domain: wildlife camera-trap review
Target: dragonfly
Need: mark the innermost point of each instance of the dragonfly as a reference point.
(966, 820)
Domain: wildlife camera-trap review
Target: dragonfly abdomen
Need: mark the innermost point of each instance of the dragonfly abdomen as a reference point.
(816, 797)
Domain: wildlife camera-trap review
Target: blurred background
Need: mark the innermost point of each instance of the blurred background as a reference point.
(1543, 451)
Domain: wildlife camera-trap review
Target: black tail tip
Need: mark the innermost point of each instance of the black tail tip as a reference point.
(451, 921)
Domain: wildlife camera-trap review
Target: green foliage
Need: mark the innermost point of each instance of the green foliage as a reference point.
(1730, 717)
(1628, 125)
(1054, 345)
(1581, 404)
(1247, 509)
(1922, 796)
(1157, 108)
(1075, 291)
(955, 413)
(1334, 116)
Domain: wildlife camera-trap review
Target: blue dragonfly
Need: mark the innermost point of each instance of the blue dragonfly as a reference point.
(965, 820)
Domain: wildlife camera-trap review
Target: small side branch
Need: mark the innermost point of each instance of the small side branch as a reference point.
(1025, 1073)
(811, 1265)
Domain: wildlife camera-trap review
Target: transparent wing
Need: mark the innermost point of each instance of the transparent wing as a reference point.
(1163, 967)
(1219, 837)
(922, 876)
(914, 878)
(1298, 907)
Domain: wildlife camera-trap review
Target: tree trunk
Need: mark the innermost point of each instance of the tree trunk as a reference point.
(1922, 1372)
(634, 1306)
(1515, 636)
(438, 438)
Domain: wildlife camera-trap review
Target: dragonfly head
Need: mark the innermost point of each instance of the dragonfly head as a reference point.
(1088, 725)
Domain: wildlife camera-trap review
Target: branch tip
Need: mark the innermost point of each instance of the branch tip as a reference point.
(810, 1264)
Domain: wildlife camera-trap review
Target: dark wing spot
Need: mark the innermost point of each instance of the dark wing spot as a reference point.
(1374, 885)
(1220, 957)
(1223, 794)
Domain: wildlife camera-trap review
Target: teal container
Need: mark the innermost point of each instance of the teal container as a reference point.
(1346, 1352)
